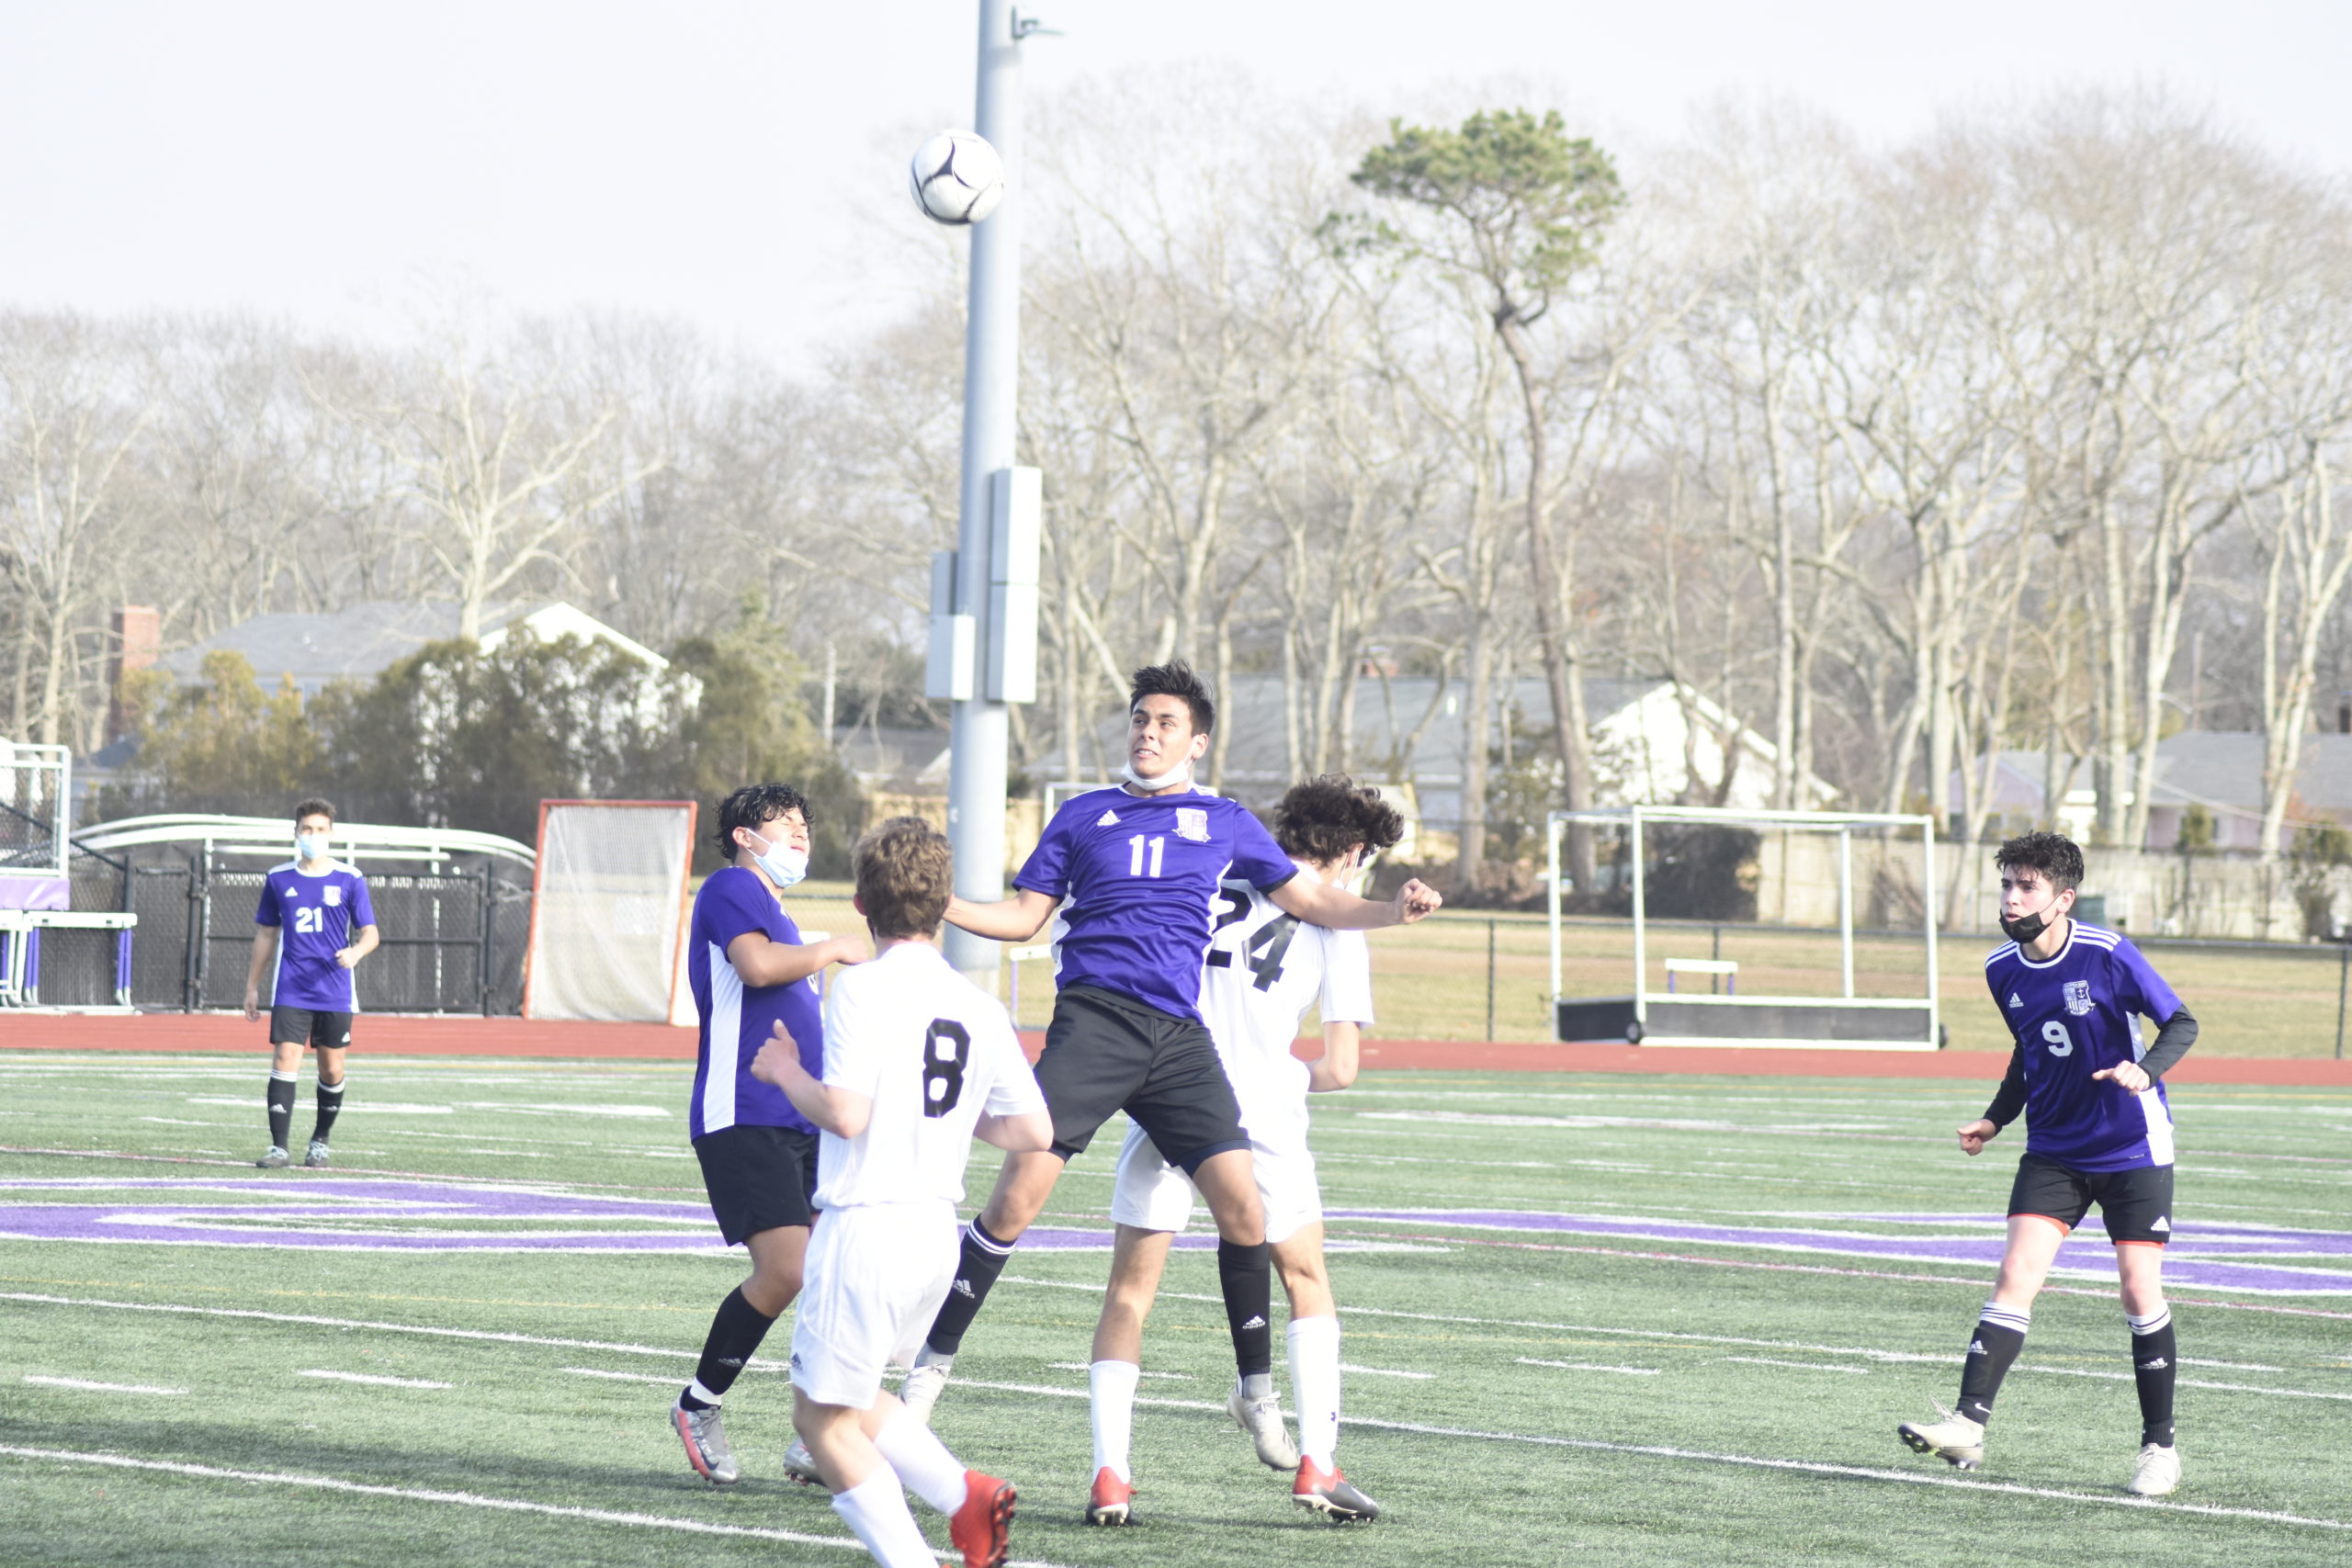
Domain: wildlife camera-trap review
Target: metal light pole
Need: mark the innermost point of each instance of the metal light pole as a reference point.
(992, 363)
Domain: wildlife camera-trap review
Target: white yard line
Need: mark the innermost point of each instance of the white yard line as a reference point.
(1351, 1367)
(85, 1386)
(454, 1499)
(371, 1378)
(1801, 1366)
(1589, 1367)
(1084, 1367)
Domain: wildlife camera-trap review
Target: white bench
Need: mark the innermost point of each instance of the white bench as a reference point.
(1726, 968)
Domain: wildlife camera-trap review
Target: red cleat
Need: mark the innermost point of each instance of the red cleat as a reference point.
(1112, 1502)
(982, 1527)
(1327, 1492)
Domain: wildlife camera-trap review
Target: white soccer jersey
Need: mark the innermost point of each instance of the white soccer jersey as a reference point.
(1264, 969)
(934, 1051)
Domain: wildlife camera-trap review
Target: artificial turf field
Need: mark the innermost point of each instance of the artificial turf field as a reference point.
(1597, 1319)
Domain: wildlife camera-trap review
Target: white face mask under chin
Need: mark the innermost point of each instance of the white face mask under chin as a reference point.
(1181, 774)
(784, 864)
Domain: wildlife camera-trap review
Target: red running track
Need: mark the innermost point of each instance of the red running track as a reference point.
(394, 1035)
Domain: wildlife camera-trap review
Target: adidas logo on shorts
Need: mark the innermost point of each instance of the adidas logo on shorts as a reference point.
(2161, 1224)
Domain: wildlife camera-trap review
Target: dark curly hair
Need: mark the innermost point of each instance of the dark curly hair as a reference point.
(753, 807)
(1175, 679)
(1323, 819)
(2056, 856)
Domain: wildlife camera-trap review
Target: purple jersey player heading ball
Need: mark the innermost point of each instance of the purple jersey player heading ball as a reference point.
(1129, 877)
(2098, 1132)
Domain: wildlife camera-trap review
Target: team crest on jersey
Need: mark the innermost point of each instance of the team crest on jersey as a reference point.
(332, 894)
(1192, 822)
(2078, 997)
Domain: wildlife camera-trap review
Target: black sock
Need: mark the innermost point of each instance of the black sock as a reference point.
(1245, 1275)
(281, 1108)
(736, 1330)
(983, 1260)
(2155, 1361)
(2000, 1335)
(330, 1106)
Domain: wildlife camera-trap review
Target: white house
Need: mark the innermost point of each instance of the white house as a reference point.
(361, 642)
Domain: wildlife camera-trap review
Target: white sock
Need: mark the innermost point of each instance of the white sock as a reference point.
(922, 1460)
(875, 1511)
(1111, 1385)
(694, 1386)
(1315, 1385)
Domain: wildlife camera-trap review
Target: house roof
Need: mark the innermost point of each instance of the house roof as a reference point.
(364, 640)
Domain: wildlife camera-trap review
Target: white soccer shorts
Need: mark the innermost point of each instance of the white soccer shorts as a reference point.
(1153, 1195)
(874, 1279)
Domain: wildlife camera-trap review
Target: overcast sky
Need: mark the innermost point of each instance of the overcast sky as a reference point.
(737, 164)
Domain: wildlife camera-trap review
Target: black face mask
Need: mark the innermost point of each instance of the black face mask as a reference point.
(2023, 929)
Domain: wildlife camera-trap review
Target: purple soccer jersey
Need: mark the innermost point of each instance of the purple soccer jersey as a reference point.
(1138, 877)
(737, 1018)
(318, 915)
(2074, 1015)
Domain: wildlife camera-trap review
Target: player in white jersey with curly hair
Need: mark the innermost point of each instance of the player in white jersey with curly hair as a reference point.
(1264, 971)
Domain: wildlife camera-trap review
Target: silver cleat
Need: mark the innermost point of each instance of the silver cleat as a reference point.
(705, 1440)
(1955, 1439)
(801, 1465)
(276, 1159)
(318, 1156)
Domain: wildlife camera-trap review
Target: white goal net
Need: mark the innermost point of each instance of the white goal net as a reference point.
(608, 909)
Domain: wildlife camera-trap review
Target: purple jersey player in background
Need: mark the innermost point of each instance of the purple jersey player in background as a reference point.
(315, 924)
(1129, 877)
(2098, 1130)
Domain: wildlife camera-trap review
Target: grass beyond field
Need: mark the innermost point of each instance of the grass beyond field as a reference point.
(1430, 980)
(1607, 1320)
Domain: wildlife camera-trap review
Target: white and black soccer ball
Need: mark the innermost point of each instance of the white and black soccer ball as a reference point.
(957, 177)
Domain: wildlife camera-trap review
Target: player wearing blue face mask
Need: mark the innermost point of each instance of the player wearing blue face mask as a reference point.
(750, 970)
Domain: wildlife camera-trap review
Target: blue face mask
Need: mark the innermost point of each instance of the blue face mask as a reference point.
(310, 846)
(784, 864)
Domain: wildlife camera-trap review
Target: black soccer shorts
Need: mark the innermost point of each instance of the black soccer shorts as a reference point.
(758, 1179)
(2134, 1205)
(310, 1028)
(1105, 1053)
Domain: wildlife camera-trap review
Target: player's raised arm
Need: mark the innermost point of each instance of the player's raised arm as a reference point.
(1320, 904)
(761, 960)
(1016, 918)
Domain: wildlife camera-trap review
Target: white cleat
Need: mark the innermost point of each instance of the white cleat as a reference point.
(1955, 1439)
(920, 1391)
(2158, 1474)
(1262, 1419)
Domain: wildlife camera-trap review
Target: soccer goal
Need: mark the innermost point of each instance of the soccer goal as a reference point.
(89, 951)
(1787, 928)
(609, 910)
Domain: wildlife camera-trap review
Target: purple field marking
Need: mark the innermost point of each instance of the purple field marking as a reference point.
(2199, 1257)
(2220, 1258)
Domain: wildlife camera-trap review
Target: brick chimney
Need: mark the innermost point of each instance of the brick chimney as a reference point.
(135, 643)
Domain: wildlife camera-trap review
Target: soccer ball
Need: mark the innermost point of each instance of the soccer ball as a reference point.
(957, 177)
